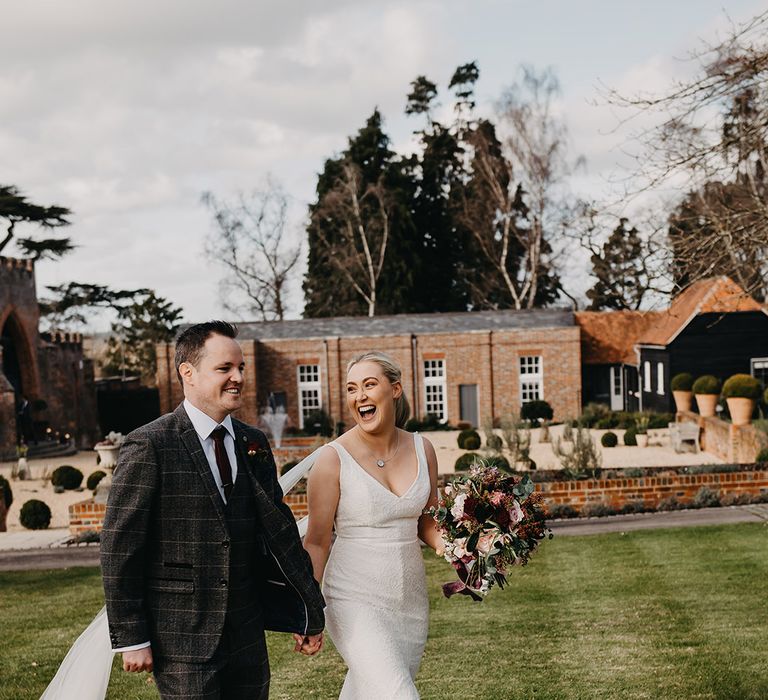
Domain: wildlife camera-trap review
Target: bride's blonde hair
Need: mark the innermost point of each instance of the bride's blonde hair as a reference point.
(394, 374)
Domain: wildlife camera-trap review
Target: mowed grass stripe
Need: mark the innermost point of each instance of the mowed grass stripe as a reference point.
(655, 614)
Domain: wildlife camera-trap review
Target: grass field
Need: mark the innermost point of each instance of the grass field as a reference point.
(656, 614)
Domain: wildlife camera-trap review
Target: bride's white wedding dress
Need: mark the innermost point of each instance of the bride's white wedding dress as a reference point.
(374, 584)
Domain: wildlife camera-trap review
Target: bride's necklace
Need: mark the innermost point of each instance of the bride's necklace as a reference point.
(381, 462)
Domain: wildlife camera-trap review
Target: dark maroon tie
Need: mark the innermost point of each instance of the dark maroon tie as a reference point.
(222, 460)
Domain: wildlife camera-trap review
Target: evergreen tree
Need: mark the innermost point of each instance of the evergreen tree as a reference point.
(16, 209)
(382, 197)
(621, 271)
(439, 174)
(139, 327)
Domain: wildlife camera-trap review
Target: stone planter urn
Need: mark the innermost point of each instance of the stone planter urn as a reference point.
(642, 439)
(107, 455)
(107, 451)
(707, 404)
(22, 469)
(683, 400)
(741, 410)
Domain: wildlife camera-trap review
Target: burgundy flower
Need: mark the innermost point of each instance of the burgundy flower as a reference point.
(502, 517)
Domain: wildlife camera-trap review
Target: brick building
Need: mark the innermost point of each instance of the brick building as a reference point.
(711, 327)
(459, 366)
(37, 368)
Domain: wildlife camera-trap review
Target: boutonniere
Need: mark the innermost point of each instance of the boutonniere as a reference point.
(254, 449)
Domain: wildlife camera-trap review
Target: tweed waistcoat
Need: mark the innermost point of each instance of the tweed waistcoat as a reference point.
(247, 551)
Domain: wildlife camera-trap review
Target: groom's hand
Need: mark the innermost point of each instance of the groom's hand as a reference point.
(309, 645)
(138, 660)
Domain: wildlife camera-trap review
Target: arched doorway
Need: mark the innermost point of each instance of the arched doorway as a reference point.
(18, 368)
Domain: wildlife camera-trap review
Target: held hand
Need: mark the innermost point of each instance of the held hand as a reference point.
(138, 660)
(309, 645)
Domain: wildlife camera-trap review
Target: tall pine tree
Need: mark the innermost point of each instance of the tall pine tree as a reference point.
(622, 271)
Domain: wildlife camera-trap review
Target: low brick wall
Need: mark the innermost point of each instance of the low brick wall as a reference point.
(86, 515)
(651, 489)
(297, 503)
(737, 444)
(291, 454)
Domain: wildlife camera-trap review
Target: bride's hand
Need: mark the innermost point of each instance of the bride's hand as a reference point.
(138, 660)
(309, 645)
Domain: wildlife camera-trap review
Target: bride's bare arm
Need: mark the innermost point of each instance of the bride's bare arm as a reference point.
(323, 497)
(428, 532)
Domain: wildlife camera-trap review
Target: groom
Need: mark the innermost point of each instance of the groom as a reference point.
(199, 553)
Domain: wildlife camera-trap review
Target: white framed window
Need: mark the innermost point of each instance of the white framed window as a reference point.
(435, 388)
(646, 376)
(759, 369)
(531, 378)
(310, 395)
(660, 378)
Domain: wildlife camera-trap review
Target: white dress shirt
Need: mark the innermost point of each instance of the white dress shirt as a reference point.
(204, 425)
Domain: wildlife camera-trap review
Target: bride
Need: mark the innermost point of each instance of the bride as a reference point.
(372, 485)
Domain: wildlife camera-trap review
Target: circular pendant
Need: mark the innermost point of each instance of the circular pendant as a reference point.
(380, 463)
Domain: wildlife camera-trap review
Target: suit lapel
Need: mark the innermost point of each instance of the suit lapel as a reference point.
(194, 448)
(244, 464)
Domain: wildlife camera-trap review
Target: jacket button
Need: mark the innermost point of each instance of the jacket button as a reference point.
(225, 544)
(223, 583)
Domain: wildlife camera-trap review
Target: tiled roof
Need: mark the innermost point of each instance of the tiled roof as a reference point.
(711, 295)
(609, 337)
(405, 324)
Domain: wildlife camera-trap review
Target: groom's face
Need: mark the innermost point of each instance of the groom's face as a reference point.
(215, 384)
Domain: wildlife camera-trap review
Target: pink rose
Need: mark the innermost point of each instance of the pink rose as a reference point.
(485, 543)
(515, 513)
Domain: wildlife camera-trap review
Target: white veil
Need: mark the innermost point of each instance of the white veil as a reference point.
(84, 673)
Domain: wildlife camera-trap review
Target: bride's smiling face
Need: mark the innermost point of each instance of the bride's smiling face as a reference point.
(371, 396)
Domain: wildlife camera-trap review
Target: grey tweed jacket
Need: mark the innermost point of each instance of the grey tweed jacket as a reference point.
(165, 550)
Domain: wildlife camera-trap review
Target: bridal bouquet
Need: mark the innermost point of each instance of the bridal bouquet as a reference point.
(489, 521)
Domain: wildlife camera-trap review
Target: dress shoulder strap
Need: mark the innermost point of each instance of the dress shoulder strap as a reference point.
(421, 455)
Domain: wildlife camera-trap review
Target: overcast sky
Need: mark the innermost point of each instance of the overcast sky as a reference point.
(126, 112)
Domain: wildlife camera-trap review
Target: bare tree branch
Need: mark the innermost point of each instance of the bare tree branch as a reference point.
(249, 241)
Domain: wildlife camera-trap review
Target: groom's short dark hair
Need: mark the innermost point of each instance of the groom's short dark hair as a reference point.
(190, 342)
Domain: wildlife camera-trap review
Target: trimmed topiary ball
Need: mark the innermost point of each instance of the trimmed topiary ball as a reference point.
(318, 423)
(93, 480)
(472, 442)
(609, 440)
(742, 386)
(464, 462)
(707, 384)
(494, 442)
(762, 456)
(67, 477)
(35, 515)
(682, 382)
(287, 467)
(536, 411)
(630, 437)
(465, 435)
(501, 463)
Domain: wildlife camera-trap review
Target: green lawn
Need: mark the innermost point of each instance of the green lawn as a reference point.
(658, 614)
